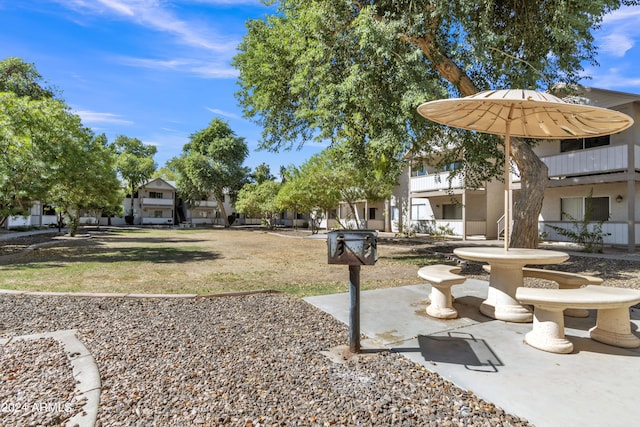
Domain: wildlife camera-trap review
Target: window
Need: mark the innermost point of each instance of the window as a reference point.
(155, 195)
(157, 214)
(394, 213)
(452, 211)
(418, 170)
(599, 208)
(372, 213)
(575, 208)
(583, 143)
(48, 210)
(419, 212)
(452, 167)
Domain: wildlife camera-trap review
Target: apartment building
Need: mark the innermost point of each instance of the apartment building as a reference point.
(605, 168)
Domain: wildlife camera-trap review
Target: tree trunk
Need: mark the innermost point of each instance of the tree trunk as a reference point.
(223, 211)
(533, 171)
(132, 191)
(528, 204)
(74, 222)
(354, 210)
(388, 226)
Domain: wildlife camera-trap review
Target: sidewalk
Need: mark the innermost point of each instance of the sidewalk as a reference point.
(17, 234)
(596, 385)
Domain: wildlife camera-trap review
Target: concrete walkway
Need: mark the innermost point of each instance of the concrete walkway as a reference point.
(17, 234)
(85, 372)
(596, 385)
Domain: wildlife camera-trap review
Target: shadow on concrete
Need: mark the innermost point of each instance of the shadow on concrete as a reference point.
(458, 348)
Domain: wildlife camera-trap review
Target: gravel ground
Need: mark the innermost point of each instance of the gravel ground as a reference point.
(242, 361)
(36, 384)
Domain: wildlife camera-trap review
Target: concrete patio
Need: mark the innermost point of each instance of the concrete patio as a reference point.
(595, 385)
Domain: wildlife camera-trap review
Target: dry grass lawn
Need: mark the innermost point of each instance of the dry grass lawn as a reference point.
(200, 261)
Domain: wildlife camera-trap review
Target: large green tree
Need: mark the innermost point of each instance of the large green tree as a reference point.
(86, 180)
(134, 163)
(26, 142)
(211, 162)
(28, 112)
(367, 175)
(48, 155)
(260, 199)
(352, 71)
(295, 195)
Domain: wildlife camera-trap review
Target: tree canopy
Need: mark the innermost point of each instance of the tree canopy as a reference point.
(23, 79)
(48, 155)
(134, 163)
(354, 72)
(27, 144)
(211, 162)
(260, 199)
(86, 179)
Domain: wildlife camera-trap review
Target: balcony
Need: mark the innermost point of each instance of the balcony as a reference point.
(435, 182)
(206, 204)
(589, 162)
(148, 201)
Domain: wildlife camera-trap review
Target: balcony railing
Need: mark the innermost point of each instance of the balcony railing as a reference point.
(206, 204)
(455, 226)
(591, 161)
(435, 182)
(148, 201)
(614, 233)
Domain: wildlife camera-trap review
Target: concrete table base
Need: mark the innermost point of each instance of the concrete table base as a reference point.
(501, 303)
(506, 276)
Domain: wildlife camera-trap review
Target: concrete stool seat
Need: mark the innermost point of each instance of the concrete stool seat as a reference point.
(613, 325)
(564, 279)
(441, 277)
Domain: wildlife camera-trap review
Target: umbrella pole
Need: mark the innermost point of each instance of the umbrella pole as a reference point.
(507, 182)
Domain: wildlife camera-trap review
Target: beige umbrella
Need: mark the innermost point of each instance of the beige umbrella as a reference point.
(523, 113)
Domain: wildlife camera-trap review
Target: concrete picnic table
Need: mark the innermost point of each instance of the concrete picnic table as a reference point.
(506, 276)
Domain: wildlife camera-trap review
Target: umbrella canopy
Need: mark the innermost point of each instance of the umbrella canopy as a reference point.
(524, 113)
(528, 113)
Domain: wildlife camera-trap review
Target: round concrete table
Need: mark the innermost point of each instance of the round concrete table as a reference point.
(506, 276)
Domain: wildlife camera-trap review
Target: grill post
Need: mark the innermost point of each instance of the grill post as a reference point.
(354, 308)
(353, 248)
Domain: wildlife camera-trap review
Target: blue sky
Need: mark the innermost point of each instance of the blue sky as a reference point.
(159, 70)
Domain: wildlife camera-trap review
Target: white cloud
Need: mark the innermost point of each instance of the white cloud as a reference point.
(155, 15)
(169, 64)
(619, 31)
(223, 113)
(207, 70)
(613, 78)
(96, 117)
(230, 2)
(117, 6)
(623, 14)
(215, 71)
(169, 145)
(616, 44)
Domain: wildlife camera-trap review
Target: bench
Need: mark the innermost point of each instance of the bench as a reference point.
(613, 324)
(564, 279)
(441, 277)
